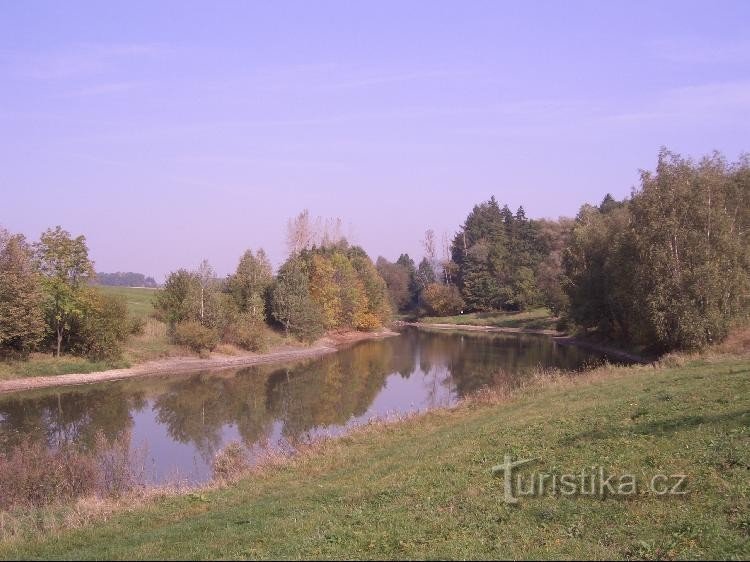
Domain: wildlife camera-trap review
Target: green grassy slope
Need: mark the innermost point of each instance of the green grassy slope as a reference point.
(533, 319)
(423, 489)
(140, 300)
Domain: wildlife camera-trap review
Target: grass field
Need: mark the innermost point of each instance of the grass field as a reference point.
(533, 319)
(140, 300)
(423, 488)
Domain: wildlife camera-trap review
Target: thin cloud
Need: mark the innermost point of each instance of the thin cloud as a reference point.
(685, 51)
(690, 103)
(79, 60)
(327, 77)
(385, 79)
(101, 89)
(521, 114)
(721, 95)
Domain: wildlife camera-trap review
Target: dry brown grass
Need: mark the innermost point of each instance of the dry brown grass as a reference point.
(231, 462)
(33, 475)
(506, 388)
(22, 523)
(738, 341)
(45, 490)
(153, 343)
(230, 350)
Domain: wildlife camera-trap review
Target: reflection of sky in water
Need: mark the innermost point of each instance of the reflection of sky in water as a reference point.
(168, 460)
(418, 393)
(183, 421)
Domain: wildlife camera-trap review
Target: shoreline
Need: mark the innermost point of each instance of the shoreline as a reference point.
(328, 344)
(478, 328)
(558, 337)
(185, 364)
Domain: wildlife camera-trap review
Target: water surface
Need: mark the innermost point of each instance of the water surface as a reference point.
(181, 421)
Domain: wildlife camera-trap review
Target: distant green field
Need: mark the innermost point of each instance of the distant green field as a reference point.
(140, 300)
(533, 319)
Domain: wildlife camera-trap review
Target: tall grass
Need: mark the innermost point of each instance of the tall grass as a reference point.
(35, 475)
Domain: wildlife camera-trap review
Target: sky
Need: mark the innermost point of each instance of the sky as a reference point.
(168, 132)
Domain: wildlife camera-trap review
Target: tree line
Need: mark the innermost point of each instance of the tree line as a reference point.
(324, 285)
(125, 279)
(48, 304)
(498, 260)
(48, 300)
(669, 266)
(666, 268)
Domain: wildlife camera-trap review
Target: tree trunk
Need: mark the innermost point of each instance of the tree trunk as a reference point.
(708, 230)
(59, 339)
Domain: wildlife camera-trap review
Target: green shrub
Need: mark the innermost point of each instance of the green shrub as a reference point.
(101, 327)
(136, 325)
(292, 305)
(196, 336)
(248, 334)
(308, 325)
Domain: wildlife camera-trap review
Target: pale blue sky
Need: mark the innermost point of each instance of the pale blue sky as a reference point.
(171, 131)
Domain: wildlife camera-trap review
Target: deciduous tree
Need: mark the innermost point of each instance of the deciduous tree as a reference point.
(291, 303)
(66, 270)
(250, 282)
(22, 323)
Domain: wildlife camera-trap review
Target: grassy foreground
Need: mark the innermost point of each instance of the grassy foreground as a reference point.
(534, 319)
(422, 488)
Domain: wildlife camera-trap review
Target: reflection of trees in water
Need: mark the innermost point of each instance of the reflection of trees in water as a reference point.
(481, 359)
(330, 390)
(251, 414)
(194, 411)
(197, 409)
(327, 391)
(70, 417)
(436, 380)
(403, 355)
(318, 393)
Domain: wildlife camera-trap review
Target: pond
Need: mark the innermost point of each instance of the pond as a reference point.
(179, 422)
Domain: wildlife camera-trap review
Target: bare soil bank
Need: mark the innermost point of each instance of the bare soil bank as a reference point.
(182, 365)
